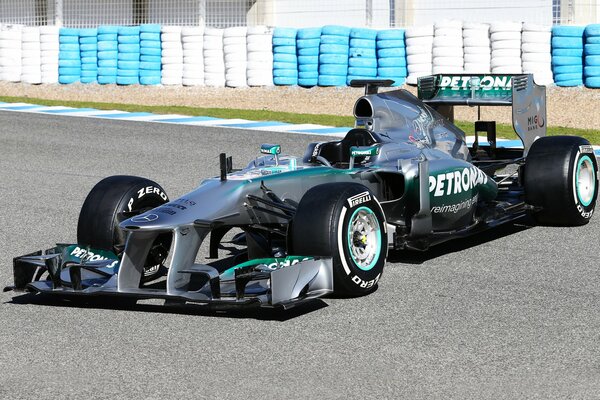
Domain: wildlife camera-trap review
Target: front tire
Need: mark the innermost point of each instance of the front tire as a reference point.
(561, 178)
(343, 221)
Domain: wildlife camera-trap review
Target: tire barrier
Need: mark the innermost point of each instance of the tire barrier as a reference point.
(308, 41)
(591, 71)
(391, 56)
(260, 56)
(192, 39)
(285, 60)
(49, 48)
(31, 56)
(69, 57)
(567, 55)
(362, 56)
(128, 55)
(236, 53)
(10, 53)
(333, 55)
(150, 54)
(171, 55)
(107, 54)
(535, 53)
(88, 51)
(448, 56)
(419, 49)
(505, 39)
(477, 50)
(214, 59)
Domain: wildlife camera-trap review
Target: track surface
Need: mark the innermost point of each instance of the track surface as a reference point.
(513, 314)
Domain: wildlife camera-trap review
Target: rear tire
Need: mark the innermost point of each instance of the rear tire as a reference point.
(102, 212)
(343, 221)
(561, 177)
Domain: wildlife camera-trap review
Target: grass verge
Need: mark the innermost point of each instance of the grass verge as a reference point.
(503, 130)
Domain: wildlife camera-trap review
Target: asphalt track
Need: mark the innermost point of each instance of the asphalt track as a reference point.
(509, 314)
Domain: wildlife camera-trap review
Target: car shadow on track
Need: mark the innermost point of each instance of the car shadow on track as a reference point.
(111, 303)
(456, 245)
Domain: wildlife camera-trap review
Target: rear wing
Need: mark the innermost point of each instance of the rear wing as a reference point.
(528, 100)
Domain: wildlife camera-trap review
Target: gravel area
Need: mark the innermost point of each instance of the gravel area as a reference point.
(569, 107)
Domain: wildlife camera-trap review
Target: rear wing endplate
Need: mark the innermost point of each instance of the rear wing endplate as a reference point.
(528, 100)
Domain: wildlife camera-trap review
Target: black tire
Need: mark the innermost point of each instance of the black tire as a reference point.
(102, 211)
(323, 216)
(561, 179)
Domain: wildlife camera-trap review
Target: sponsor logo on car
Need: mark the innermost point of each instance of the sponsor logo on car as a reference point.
(145, 218)
(454, 208)
(86, 256)
(483, 82)
(359, 199)
(586, 148)
(535, 122)
(454, 182)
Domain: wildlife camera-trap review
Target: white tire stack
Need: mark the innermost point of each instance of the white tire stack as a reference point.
(235, 52)
(419, 47)
(49, 54)
(10, 53)
(448, 47)
(536, 53)
(214, 59)
(505, 38)
(260, 56)
(477, 49)
(31, 56)
(192, 39)
(171, 55)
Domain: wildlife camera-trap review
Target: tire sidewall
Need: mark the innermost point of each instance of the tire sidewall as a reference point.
(583, 211)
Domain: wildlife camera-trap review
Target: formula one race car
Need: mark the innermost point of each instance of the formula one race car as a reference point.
(403, 178)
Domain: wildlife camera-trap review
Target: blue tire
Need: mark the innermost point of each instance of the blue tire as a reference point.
(107, 37)
(69, 64)
(89, 60)
(575, 82)
(591, 72)
(569, 31)
(307, 43)
(67, 79)
(128, 57)
(284, 41)
(150, 66)
(308, 75)
(391, 62)
(150, 80)
(150, 72)
(87, 32)
(309, 51)
(129, 30)
(68, 32)
(150, 52)
(108, 29)
(336, 30)
(592, 61)
(390, 44)
(68, 39)
(284, 65)
(398, 80)
(128, 39)
(567, 52)
(358, 52)
(89, 67)
(107, 80)
(391, 52)
(568, 69)
(363, 43)
(128, 72)
(88, 47)
(69, 47)
(592, 82)
(129, 48)
(332, 39)
(592, 40)
(107, 71)
(84, 54)
(89, 73)
(391, 34)
(128, 65)
(560, 42)
(592, 49)
(107, 64)
(392, 71)
(308, 67)
(69, 55)
(362, 62)
(332, 80)
(333, 59)
(107, 55)
(566, 61)
(285, 73)
(361, 71)
(154, 37)
(281, 57)
(284, 50)
(309, 33)
(333, 69)
(70, 71)
(567, 77)
(363, 33)
(285, 33)
(285, 81)
(156, 59)
(308, 82)
(150, 28)
(308, 60)
(89, 79)
(107, 46)
(88, 40)
(128, 80)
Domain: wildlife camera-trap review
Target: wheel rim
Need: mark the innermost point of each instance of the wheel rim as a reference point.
(364, 238)
(585, 180)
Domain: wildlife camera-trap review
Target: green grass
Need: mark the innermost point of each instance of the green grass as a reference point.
(503, 130)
